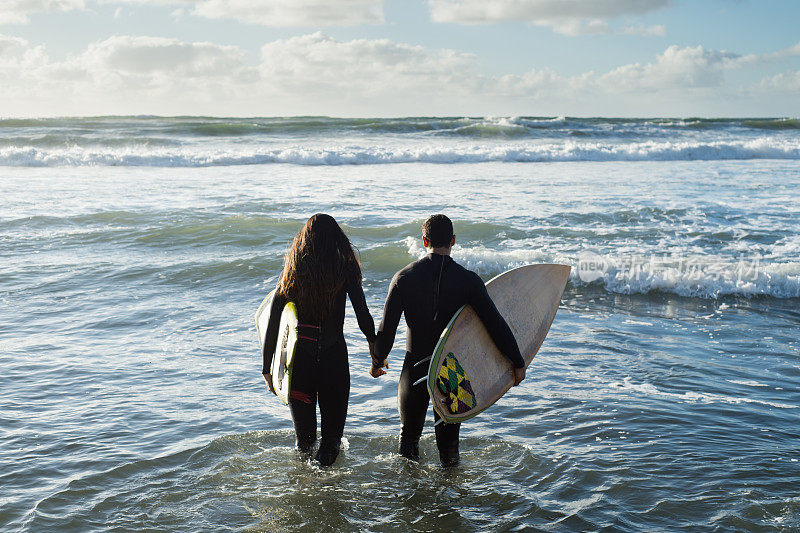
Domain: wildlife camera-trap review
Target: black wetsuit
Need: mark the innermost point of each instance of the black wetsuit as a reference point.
(429, 292)
(320, 372)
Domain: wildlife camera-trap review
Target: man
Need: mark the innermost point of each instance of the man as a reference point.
(429, 292)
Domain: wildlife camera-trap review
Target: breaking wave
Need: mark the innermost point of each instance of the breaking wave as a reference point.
(758, 148)
(708, 277)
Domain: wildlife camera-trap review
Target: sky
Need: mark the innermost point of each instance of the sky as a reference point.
(642, 58)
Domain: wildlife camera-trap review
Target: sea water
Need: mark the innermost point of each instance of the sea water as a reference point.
(135, 251)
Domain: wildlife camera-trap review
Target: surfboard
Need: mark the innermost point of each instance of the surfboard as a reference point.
(283, 356)
(467, 373)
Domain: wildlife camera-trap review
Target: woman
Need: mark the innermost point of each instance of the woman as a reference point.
(319, 269)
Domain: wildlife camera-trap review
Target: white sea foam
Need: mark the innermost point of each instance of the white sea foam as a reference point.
(708, 277)
(713, 277)
(648, 389)
(747, 382)
(333, 154)
(483, 259)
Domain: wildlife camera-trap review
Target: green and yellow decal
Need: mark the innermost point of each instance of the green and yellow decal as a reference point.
(454, 384)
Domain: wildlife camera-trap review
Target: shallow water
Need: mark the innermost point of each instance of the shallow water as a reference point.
(663, 399)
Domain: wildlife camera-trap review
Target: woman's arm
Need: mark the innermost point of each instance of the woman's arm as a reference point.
(365, 322)
(392, 311)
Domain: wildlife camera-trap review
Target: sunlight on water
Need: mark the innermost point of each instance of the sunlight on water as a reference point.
(664, 398)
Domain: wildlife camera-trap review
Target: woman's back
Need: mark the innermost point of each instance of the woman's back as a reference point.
(330, 325)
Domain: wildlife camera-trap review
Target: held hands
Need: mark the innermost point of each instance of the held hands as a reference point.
(377, 368)
(377, 371)
(519, 375)
(268, 379)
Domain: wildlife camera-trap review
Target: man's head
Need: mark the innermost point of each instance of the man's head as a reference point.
(437, 232)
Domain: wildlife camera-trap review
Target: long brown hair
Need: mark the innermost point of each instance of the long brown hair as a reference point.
(317, 267)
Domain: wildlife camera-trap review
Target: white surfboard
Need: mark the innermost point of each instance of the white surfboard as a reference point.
(283, 357)
(528, 298)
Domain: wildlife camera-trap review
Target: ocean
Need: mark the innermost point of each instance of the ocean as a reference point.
(136, 250)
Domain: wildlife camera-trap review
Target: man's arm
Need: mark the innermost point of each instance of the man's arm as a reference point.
(495, 323)
(392, 311)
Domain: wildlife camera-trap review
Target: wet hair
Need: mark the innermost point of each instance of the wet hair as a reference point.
(438, 230)
(317, 267)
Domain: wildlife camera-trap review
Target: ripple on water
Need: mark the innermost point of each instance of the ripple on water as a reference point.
(257, 481)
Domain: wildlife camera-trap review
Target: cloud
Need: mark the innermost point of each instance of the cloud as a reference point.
(568, 17)
(262, 12)
(600, 27)
(481, 11)
(134, 74)
(658, 30)
(792, 51)
(17, 11)
(578, 27)
(8, 43)
(534, 84)
(294, 12)
(317, 74)
(278, 13)
(126, 74)
(156, 55)
(366, 66)
(677, 68)
(788, 81)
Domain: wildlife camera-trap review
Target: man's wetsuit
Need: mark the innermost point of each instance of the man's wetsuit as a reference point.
(320, 372)
(429, 292)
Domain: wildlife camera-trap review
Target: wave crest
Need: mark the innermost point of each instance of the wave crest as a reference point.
(760, 148)
(713, 277)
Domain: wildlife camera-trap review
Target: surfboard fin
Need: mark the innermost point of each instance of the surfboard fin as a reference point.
(420, 380)
(423, 360)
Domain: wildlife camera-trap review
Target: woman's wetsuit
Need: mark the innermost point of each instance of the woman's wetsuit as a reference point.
(320, 372)
(430, 291)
